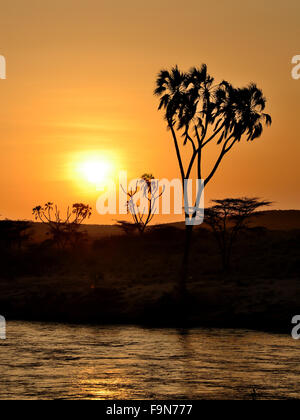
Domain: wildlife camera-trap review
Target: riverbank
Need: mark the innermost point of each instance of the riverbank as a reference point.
(132, 280)
(263, 304)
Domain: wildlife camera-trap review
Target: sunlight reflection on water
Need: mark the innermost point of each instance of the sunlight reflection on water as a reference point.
(43, 360)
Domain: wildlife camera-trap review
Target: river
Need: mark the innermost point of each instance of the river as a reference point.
(47, 361)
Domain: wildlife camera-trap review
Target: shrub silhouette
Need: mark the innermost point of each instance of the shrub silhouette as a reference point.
(64, 232)
(14, 233)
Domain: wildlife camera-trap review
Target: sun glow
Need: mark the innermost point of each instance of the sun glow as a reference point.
(93, 169)
(96, 171)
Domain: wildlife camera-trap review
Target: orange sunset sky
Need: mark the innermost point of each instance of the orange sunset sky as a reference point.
(80, 80)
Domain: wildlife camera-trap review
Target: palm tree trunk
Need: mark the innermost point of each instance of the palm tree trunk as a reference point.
(184, 275)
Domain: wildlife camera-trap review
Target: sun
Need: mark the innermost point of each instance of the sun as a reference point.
(92, 170)
(96, 171)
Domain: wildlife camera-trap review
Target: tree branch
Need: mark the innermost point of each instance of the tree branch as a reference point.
(218, 161)
(177, 151)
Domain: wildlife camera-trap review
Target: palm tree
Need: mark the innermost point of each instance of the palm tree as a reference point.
(202, 114)
(239, 112)
(170, 87)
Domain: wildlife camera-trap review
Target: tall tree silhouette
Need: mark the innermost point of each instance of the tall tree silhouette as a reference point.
(202, 114)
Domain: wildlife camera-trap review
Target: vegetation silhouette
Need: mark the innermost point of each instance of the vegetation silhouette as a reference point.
(14, 233)
(115, 278)
(227, 218)
(203, 113)
(64, 232)
(142, 216)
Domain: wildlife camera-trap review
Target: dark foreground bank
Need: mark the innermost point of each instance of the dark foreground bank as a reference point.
(267, 305)
(131, 280)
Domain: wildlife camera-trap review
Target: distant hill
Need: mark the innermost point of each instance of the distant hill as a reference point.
(270, 219)
(278, 219)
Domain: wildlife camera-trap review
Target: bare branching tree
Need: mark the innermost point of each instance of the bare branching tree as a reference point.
(227, 218)
(64, 231)
(142, 215)
(204, 114)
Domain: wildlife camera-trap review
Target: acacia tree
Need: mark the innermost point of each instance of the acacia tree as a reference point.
(227, 218)
(65, 230)
(142, 216)
(203, 114)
